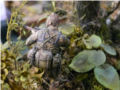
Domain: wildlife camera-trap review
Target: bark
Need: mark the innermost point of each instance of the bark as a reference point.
(87, 9)
(88, 14)
(93, 17)
(115, 30)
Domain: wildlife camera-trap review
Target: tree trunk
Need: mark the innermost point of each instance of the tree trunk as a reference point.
(90, 17)
(93, 19)
(87, 10)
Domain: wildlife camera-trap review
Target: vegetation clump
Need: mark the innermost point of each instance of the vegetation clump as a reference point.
(90, 62)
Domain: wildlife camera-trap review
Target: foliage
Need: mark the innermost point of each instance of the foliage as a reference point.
(7, 61)
(93, 42)
(15, 22)
(88, 59)
(67, 29)
(15, 72)
(107, 76)
(87, 52)
(108, 49)
(19, 71)
(80, 63)
(118, 65)
(93, 84)
(53, 5)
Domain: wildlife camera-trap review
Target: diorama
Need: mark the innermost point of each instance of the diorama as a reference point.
(60, 45)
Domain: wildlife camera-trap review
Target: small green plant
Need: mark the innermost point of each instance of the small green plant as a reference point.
(18, 74)
(15, 72)
(15, 21)
(95, 58)
(53, 5)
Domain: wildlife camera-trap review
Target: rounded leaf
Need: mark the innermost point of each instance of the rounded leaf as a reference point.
(67, 29)
(16, 79)
(108, 49)
(107, 76)
(22, 78)
(97, 57)
(87, 60)
(80, 62)
(94, 41)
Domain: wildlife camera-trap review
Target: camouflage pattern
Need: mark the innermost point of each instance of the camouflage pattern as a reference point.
(47, 42)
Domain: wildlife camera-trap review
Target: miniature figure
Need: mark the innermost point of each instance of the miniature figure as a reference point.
(46, 50)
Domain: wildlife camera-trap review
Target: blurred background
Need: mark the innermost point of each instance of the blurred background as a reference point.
(34, 13)
(78, 20)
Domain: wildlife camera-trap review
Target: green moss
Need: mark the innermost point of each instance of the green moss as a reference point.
(95, 85)
(104, 30)
(90, 83)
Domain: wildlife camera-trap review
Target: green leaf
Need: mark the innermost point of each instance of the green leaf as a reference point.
(107, 76)
(38, 75)
(97, 57)
(6, 72)
(80, 62)
(22, 78)
(87, 60)
(67, 29)
(5, 87)
(4, 46)
(108, 49)
(15, 72)
(93, 42)
(3, 65)
(16, 79)
(14, 25)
